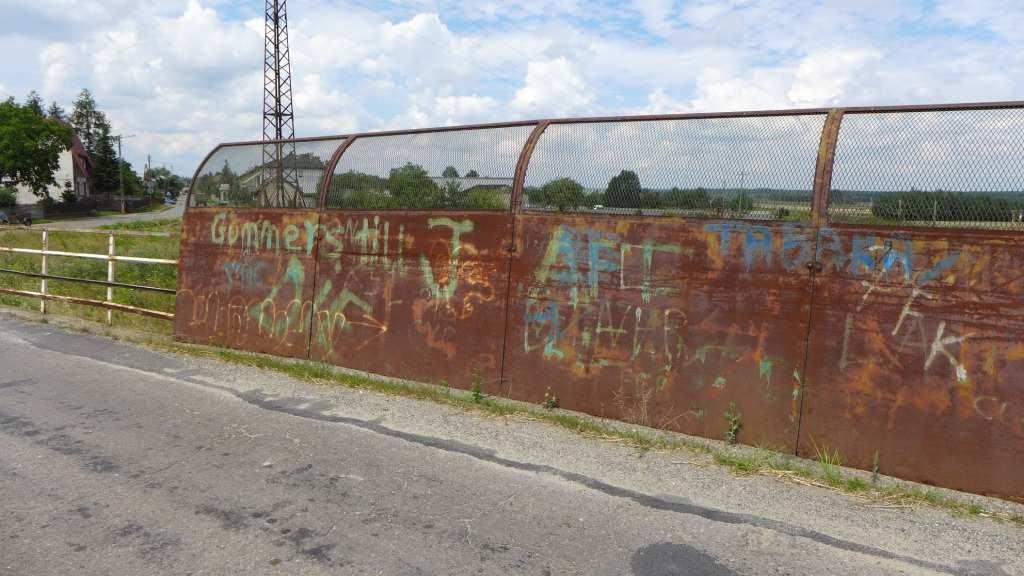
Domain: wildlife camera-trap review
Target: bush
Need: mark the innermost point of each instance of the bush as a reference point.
(67, 196)
(8, 197)
(486, 199)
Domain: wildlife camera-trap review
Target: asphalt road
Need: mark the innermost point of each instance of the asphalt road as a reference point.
(119, 460)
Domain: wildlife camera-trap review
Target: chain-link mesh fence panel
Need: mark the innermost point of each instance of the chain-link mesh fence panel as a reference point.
(258, 175)
(469, 169)
(951, 168)
(756, 167)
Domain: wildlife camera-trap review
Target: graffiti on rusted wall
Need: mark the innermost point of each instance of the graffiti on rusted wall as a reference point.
(664, 323)
(247, 279)
(414, 295)
(918, 348)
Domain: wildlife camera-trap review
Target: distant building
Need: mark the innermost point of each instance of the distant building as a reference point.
(74, 171)
(308, 170)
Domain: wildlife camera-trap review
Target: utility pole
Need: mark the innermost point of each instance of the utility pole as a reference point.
(120, 173)
(279, 185)
(120, 169)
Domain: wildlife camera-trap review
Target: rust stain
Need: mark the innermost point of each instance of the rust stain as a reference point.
(246, 279)
(916, 342)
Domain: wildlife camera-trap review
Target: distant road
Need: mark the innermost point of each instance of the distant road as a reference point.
(120, 460)
(174, 212)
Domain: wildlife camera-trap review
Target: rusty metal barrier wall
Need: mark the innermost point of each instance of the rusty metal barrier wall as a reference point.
(713, 283)
(246, 279)
(669, 315)
(917, 337)
(247, 273)
(665, 323)
(418, 288)
(917, 348)
(413, 295)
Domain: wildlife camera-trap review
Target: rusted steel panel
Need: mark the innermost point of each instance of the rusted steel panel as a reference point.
(412, 294)
(246, 279)
(917, 349)
(663, 322)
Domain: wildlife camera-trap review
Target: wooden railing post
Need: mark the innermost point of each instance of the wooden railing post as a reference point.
(44, 271)
(110, 276)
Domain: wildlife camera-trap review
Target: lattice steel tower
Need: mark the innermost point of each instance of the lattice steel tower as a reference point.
(279, 185)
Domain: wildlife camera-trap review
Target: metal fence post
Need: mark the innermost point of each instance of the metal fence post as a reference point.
(110, 276)
(42, 283)
(823, 167)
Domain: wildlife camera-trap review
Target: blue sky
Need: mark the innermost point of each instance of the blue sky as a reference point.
(183, 75)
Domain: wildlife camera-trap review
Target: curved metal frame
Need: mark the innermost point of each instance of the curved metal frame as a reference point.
(218, 147)
(328, 179)
(823, 167)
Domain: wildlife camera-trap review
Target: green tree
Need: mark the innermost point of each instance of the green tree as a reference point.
(624, 190)
(8, 197)
(133, 184)
(356, 190)
(34, 102)
(104, 157)
(67, 195)
(411, 187)
(480, 198)
(472, 174)
(30, 147)
(452, 194)
(205, 190)
(55, 112)
(688, 199)
(450, 172)
(562, 193)
(83, 118)
(164, 182)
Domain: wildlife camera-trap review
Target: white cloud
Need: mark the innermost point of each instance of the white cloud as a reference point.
(824, 78)
(1004, 17)
(751, 89)
(185, 74)
(554, 87)
(656, 14)
(429, 109)
(703, 13)
(57, 62)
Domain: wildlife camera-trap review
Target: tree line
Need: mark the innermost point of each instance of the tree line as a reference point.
(920, 205)
(411, 187)
(625, 191)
